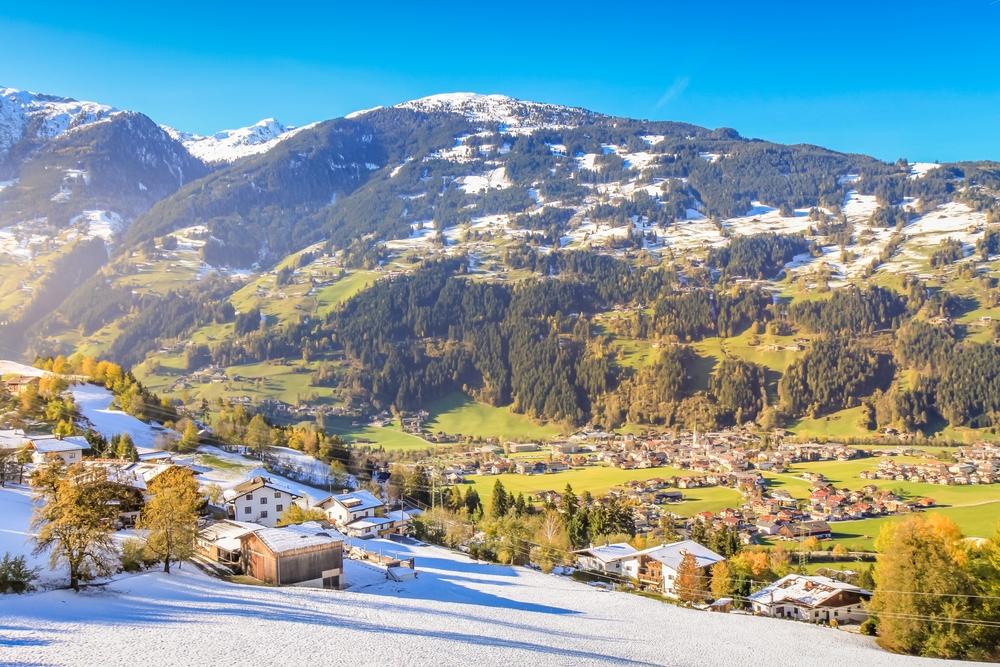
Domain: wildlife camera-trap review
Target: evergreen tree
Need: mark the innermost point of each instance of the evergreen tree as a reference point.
(501, 501)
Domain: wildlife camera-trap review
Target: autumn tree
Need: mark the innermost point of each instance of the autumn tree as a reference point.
(926, 598)
(295, 514)
(189, 438)
(171, 515)
(722, 580)
(74, 521)
(259, 435)
(689, 584)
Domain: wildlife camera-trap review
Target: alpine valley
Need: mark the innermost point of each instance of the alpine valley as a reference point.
(499, 267)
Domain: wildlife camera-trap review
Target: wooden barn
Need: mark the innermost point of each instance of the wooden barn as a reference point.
(306, 554)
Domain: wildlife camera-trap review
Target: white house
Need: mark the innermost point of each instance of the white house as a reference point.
(347, 509)
(69, 449)
(258, 500)
(811, 598)
(657, 567)
(607, 559)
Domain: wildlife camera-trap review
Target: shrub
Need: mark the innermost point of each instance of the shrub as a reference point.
(15, 575)
(869, 627)
(135, 556)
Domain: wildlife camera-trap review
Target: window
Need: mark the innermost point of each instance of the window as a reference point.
(249, 496)
(246, 510)
(277, 494)
(263, 500)
(263, 515)
(279, 508)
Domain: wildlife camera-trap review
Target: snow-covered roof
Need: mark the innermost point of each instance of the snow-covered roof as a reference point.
(610, 552)
(255, 483)
(289, 538)
(403, 515)
(370, 522)
(809, 591)
(355, 501)
(671, 555)
(226, 534)
(50, 445)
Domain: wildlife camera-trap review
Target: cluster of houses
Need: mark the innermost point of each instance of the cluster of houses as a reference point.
(658, 569)
(969, 471)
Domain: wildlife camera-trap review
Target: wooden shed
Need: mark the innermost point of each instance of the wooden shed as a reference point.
(304, 554)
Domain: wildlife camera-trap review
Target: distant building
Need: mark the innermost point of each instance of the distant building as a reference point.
(811, 598)
(19, 384)
(69, 449)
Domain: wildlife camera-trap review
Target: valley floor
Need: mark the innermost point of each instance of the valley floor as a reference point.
(457, 612)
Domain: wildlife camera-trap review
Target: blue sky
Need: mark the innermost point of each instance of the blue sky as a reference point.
(894, 79)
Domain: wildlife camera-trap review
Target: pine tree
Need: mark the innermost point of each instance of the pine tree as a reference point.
(501, 501)
(569, 503)
(171, 515)
(74, 522)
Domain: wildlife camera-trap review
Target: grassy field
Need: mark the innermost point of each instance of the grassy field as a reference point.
(974, 521)
(389, 438)
(599, 479)
(457, 414)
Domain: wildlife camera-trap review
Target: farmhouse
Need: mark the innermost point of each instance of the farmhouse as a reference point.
(811, 598)
(357, 513)
(607, 559)
(258, 500)
(803, 529)
(294, 555)
(656, 568)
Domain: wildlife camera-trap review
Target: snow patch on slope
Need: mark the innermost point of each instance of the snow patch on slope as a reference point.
(44, 116)
(513, 115)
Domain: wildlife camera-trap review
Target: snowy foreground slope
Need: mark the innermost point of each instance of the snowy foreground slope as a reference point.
(458, 612)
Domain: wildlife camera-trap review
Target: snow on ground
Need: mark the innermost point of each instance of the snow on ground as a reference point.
(95, 406)
(457, 612)
(858, 207)
(15, 368)
(495, 179)
(16, 536)
(99, 224)
(920, 169)
(763, 218)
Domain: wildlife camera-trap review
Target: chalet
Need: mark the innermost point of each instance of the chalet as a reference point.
(606, 559)
(656, 568)
(811, 598)
(220, 541)
(358, 513)
(258, 500)
(20, 384)
(305, 555)
(45, 448)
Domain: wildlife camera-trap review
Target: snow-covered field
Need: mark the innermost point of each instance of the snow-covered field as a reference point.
(95, 406)
(457, 612)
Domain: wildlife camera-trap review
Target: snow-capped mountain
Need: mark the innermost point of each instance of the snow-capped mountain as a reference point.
(514, 115)
(230, 145)
(32, 118)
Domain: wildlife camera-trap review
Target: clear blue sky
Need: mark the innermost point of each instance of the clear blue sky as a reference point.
(894, 79)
